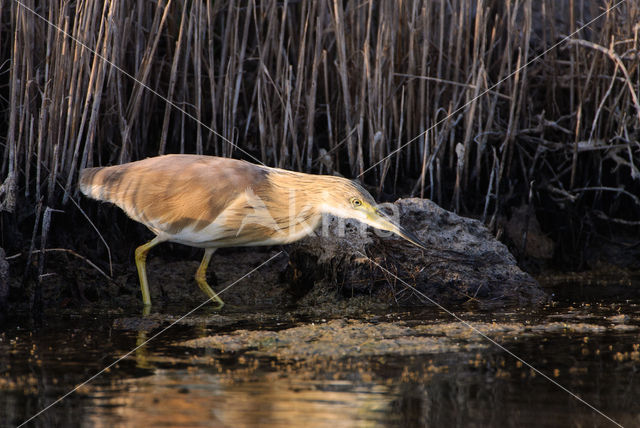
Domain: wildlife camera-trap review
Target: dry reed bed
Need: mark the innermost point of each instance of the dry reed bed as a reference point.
(333, 87)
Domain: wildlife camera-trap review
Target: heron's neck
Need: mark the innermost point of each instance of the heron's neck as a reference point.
(302, 197)
(293, 200)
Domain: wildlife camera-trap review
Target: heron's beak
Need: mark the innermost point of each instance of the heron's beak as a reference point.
(381, 221)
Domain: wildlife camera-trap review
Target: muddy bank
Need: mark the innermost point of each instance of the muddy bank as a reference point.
(71, 282)
(301, 275)
(463, 264)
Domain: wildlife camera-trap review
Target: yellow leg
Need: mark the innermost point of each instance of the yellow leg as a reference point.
(141, 259)
(201, 277)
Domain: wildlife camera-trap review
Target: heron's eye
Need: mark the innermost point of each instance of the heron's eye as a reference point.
(356, 202)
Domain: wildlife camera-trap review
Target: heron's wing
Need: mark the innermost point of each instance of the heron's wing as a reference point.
(172, 192)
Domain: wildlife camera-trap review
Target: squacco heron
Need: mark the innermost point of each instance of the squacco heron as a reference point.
(211, 202)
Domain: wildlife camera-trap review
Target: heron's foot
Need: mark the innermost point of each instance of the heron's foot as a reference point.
(201, 279)
(218, 304)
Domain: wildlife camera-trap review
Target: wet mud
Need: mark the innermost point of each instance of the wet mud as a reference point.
(356, 338)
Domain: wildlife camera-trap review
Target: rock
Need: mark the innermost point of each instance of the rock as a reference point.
(464, 262)
(4, 282)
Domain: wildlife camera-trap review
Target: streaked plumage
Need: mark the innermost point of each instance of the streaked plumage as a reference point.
(213, 202)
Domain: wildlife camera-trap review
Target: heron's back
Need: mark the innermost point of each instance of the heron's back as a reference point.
(173, 191)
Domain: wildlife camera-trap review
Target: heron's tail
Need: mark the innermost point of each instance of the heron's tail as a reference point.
(90, 183)
(87, 177)
(100, 183)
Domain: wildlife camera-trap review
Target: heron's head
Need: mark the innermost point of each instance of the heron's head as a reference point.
(347, 199)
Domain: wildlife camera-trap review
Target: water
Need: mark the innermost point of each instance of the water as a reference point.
(276, 368)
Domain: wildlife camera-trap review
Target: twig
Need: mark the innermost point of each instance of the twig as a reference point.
(609, 189)
(450, 82)
(73, 253)
(616, 58)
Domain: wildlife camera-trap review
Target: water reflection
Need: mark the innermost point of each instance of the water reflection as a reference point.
(184, 398)
(484, 389)
(162, 384)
